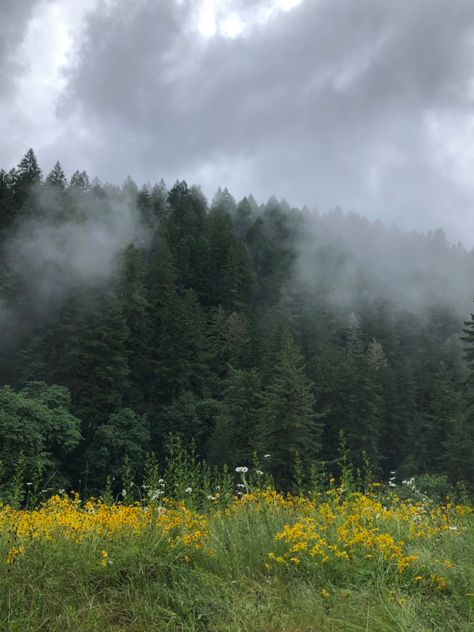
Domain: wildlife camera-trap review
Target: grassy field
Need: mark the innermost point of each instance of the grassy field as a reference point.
(332, 561)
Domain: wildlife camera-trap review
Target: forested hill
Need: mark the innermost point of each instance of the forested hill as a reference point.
(131, 313)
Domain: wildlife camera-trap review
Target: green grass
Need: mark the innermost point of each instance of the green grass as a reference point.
(61, 585)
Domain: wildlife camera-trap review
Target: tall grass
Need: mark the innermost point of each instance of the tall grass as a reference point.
(194, 549)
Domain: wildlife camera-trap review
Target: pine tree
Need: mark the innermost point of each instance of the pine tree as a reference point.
(27, 177)
(290, 423)
(102, 371)
(7, 209)
(236, 433)
(136, 309)
(79, 181)
(56, 177)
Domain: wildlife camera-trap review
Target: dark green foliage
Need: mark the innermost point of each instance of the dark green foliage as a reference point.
(237, 426)
(125, 436)
(36, 422)
(240, 328)
(289, 421)
(56, 177)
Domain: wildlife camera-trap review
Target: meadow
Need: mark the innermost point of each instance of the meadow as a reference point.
(238, 556)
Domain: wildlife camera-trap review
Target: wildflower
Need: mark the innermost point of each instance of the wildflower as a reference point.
(452, 528)
(267, 456)
(240, 485)
(29, 484)
(259, 472)
(124, 493)
(154, 494)
(325, 593)
(104, 555)
(14, 553)
(210, 497)
(188, 490)
(242, 469)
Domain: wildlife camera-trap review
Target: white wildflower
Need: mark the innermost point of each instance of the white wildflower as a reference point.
(259, 472)
(188, 490)
(242, 469)
(267, 456)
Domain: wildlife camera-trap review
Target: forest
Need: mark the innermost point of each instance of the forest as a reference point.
(133, 314)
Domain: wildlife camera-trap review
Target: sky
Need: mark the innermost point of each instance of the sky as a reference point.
(362, 104)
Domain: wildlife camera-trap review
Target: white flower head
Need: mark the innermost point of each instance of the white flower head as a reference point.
(211, 497)
(267, 456)
(155, 494)
(240, 485)
(259, 472)
(242, 469)
(188, 490)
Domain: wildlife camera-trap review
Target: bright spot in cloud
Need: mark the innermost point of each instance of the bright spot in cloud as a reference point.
(223, 17)
(207, 19)
(232, 26)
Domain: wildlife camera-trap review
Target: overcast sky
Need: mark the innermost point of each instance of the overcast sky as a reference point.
(366, 104)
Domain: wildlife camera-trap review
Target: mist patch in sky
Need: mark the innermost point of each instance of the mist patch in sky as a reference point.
(55, 253)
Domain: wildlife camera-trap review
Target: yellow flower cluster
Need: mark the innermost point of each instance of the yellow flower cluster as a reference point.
(359, 527)
(69, 518)
(330, 528)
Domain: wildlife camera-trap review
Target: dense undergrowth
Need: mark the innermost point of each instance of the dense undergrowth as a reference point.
(331, 559)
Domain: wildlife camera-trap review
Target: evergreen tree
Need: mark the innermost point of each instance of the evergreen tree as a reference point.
(79, 181)
(136, 310)
(290, 423)
(235, 436)
(56, 177)
(102, 371)
(27, 176)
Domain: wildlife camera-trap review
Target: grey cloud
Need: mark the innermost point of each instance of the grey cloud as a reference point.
(328, 102)
(15, 16)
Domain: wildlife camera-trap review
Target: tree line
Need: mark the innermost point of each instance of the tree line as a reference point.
(213, 326)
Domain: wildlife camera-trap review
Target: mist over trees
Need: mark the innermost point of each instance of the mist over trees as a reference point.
(131, 313)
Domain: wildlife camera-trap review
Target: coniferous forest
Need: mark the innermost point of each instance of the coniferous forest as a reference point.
(133, 313)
